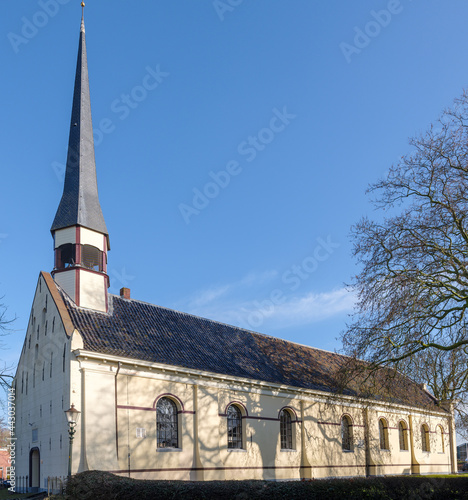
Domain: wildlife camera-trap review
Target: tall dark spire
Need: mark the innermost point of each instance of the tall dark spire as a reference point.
(79, 205)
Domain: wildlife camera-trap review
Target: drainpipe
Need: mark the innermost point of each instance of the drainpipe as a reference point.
(306, 469)
(116, 425)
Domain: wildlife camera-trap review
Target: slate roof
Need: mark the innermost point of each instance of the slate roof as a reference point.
(80, 201)
(138, 330)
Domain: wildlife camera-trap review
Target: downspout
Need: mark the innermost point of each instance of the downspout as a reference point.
(306, 469)
(116, 424)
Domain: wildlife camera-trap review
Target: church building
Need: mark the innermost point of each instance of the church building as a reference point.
(162, 394)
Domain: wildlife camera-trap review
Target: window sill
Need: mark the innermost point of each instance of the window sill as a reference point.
(165, 450)
(288, 450)
(237, 450)
(347, 451)
(404, 451)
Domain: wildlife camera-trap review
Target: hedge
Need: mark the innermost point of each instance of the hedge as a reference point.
(97, 485)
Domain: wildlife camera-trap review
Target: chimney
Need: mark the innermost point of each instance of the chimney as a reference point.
(125, 293)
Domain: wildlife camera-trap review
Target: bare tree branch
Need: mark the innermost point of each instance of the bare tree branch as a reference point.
(413, 284)
(412, 287)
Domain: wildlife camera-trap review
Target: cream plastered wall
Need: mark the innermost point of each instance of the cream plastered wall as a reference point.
(41, 407)
(122, 397)
(93, 290)
(87, 237)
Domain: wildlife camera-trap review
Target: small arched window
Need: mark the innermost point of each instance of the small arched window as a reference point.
(346, 433)
(425, 445)
(91, 258)
(234, 427)
(64, 357)
(286, 430)
(403, 435)
(166, 424)
(383, 434)
(440, 435)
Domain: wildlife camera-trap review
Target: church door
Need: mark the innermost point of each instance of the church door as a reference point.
(34, 469)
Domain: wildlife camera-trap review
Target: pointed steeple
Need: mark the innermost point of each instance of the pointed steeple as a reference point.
(81, 240)
(80, 205)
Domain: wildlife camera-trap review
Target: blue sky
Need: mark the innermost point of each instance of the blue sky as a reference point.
(234, 143)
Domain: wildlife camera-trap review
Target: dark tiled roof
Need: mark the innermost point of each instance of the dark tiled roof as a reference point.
(143, 331)
(80, 202)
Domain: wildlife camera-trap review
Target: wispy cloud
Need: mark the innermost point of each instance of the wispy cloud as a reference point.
(241, 303)
(311, 307)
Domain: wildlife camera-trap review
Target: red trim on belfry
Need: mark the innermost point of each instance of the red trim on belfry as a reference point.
(81, 269)
(78, 245)
(77, 287)
(105, 296)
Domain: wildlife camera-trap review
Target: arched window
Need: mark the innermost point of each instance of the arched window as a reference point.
(91, 258)
(166, 424)
(286, 430)
(425, 445)
(383, 434)
(440, 435)
(65, 256)
(403, 435)
(346, 433)
(234, 427)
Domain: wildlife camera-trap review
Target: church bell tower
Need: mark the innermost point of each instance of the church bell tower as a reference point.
(81, 240)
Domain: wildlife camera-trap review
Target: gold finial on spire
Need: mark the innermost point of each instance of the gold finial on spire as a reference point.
(82, 17)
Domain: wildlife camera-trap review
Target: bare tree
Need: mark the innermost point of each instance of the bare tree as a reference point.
(445, 374)
(412, 289)
(5, 433)
(5, 324)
